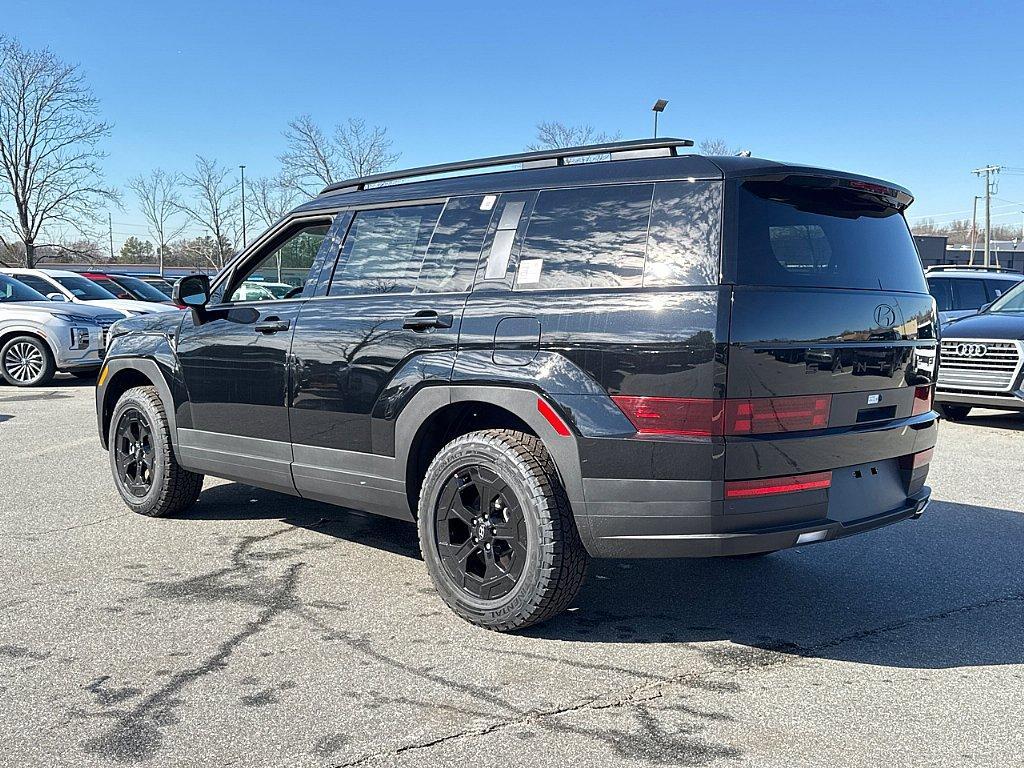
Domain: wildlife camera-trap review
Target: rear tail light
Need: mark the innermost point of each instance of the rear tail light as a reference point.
(776, 414)
(704, 417)
(771, 486)
(916, 460)
(922, 400)
(700, 417)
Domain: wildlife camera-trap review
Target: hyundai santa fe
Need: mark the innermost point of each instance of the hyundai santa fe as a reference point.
(658, 355)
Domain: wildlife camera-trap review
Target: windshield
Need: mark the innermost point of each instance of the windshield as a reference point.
(1011, 301)
(84, 289)
(12, 290)
(791, 235)
(141, 289)
(161, 285)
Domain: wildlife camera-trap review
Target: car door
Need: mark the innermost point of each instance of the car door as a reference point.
(387, 324)
(234, 358)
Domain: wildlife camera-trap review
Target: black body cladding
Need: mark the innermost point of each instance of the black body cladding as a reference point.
(434, 307)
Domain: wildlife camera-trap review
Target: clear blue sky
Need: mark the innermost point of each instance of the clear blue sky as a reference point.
(916, 92)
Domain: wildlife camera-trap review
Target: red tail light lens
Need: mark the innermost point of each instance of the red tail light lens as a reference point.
(770, 486)
(916, 460)
(776, 414)
(700, 417)
(922, 400)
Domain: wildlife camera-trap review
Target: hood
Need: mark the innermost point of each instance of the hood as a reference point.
(128, 305)
(991, 325)
(81, 313)
(158, 322)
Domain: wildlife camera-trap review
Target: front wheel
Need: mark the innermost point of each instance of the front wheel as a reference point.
(953, 412)
(497, 532)
(26, 361)
(146, 472)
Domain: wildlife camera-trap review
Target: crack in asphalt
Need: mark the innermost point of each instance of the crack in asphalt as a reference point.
(767, 656)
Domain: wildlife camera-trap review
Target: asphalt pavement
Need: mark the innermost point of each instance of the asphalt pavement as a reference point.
(263, 630)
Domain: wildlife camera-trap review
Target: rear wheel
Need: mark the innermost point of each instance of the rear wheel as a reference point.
(26, 361)
(952, 412)
(146, 473)
(497, 532)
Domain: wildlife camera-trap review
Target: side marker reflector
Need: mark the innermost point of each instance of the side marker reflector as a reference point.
(769, 486)
(103, 376)
(552, 418)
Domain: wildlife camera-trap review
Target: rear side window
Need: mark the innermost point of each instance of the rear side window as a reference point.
(685, 235)
(589, 237)
(969, 294)
(454, 250)
(37, 283)
(789, 235)
(940, 290)
(384, 250)
(997, 288)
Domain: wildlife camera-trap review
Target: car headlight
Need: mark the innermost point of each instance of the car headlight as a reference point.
(79, 337)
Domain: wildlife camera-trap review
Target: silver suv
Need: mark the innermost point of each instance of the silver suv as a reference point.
(39, 337)
(961, 290)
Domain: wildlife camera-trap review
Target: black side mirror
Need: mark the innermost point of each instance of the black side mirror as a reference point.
(191, 291)
(984, 307)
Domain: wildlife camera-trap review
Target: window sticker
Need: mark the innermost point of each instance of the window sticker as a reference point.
(529, 271)
(488, 202)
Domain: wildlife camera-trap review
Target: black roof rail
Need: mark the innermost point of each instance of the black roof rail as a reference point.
(619, 150)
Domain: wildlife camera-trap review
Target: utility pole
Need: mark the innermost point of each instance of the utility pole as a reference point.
(988, 170)
(974, 230)
(110, 231)
(243, 206)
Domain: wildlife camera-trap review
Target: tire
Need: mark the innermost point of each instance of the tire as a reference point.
(26, 361)
(953, 412)
(149, 478)
(545, 555)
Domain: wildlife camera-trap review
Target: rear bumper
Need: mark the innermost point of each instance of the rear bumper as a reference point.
(1011, 401)
(623, 540)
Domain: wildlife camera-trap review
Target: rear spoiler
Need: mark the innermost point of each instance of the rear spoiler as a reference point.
(891, 196)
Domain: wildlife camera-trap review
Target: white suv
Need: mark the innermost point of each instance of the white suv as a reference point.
(39, 337)
(59, 284)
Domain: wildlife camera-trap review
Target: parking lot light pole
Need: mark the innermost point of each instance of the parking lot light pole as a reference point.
(242, 167)
(657, 109)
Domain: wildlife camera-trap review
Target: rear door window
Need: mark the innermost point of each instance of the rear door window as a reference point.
(969, 294)
(384, 250)
(454, 250)
(997, 288)
(941, 292)
(588, 237)
(791, 235)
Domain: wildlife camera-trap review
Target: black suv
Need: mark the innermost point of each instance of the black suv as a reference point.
(658, 355)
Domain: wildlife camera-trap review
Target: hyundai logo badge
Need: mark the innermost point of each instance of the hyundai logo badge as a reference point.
(885, 316)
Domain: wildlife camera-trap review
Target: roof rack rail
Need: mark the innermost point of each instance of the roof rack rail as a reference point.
(619, 150)
(978, 267)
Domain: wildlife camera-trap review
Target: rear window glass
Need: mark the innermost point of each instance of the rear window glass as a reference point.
(796, 236)
(685, 237)
(589, 237)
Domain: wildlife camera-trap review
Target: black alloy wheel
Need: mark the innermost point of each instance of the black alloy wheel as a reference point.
(481, 533)
(133, 452)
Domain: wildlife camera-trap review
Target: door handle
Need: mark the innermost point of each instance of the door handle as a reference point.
(426, 319)
(272, 325)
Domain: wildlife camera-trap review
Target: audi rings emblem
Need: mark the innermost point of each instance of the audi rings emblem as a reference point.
(971, 350)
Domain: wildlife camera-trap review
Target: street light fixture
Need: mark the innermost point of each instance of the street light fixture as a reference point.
(658, 108)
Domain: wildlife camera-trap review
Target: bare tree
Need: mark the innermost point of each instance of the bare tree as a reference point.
(160, 202)
(214, 204)
(269, 199)
(715, 147)
(556, 135)
(49, 146)
(313, 160)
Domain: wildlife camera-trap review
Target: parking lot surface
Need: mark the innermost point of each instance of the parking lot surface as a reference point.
(263, 630)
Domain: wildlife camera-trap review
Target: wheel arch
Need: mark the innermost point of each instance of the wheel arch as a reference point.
(437, 415)
(122, 374)
(8, 333)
